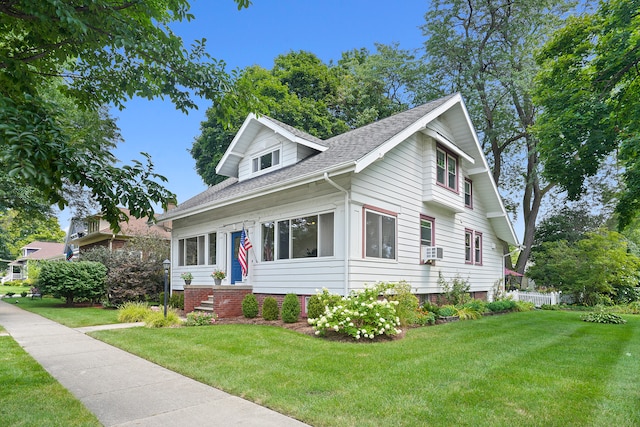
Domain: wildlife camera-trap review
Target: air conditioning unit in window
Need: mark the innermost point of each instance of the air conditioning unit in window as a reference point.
(431, 253)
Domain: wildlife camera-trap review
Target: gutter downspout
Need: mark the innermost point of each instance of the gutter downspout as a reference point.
(347, 231)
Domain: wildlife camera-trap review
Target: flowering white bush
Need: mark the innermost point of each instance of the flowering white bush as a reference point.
(360, 315)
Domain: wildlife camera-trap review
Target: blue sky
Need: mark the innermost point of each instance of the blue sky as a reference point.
(256, 36)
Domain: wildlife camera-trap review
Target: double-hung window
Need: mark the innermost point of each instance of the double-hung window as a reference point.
(468, 194)
(446, 169)
(427, 231)
(473, 247)
(266, 161)
(380, 234)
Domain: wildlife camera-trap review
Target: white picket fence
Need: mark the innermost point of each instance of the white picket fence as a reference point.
(537, 298)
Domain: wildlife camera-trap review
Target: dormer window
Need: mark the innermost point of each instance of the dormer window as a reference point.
(266, 161)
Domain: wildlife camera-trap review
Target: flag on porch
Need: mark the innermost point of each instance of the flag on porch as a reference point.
(245, 245)
(69, 254)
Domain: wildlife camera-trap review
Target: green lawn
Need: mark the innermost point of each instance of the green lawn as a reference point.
(528, 369)
(73, 317)
(31, 397)
(15, 289)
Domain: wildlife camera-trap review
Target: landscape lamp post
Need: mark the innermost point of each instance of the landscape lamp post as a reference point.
(166, 264)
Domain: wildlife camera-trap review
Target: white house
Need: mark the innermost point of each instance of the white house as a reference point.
(407, 198)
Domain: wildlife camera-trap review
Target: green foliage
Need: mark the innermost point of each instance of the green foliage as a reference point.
(290, 308)
(501, 305)
(602, 317)
(447, 311)
(19, 228)
(468, 312)
(596, 267)
(129, 277)
(431, 308)
(176, 301)
(360, 315)
(524, 306)
(270, 310)
(425, 317)
(587, 90)
(455, 292)
(92, 56)
(250, 306)
(200, 318)
(315, 307)
(322, 100)
(73, 280)
(156, 319)
(408, 303)
(131, 312)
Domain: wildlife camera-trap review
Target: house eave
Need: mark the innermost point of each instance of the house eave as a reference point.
(302, 180)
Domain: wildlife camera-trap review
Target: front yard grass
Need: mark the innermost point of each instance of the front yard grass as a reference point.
(31, 397)
(529, 369)
(73, 317)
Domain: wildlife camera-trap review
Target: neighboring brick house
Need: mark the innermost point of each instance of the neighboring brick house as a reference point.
(18, 269)
(94, 231)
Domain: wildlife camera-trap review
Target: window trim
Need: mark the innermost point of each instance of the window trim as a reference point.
(384, 212)
(470, 204)
(289, 220)
(448, 155)
(202, 243)
(475, 246)
(431, 220)
(258, 158)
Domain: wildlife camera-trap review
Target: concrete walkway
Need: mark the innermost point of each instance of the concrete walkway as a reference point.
(125, 390)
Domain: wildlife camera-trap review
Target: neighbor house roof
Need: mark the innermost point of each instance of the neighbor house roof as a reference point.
(44, 250)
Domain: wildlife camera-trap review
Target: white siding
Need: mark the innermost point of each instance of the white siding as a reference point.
(301, 276)
(397, 183)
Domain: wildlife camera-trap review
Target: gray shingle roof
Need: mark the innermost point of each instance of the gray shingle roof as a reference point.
(342, 150)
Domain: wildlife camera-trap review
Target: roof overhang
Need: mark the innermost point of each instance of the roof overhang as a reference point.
(228, 165)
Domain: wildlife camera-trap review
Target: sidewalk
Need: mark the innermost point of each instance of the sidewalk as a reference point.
(125, 390)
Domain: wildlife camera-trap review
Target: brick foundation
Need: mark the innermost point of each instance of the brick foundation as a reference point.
(227, 299)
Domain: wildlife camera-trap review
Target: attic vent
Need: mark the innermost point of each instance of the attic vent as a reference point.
(431, 253)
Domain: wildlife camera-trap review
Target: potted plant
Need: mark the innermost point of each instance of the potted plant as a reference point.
(187, 277)
(218, 275)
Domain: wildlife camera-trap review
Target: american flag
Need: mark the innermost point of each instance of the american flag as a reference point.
(245, 245)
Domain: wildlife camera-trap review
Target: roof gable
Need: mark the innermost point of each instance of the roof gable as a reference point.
(228, 165)
(354, 151)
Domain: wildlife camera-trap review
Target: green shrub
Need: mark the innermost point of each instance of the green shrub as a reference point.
(360, 315)
(131, 312)
(23, 294)
(176, 301)
(501, 305)
(270, 310)
(550, 307)
(10, 294)
(155, 318)
(602, 317)
(455, 292)
(249, 306)
(425, 317)
(290, 308)
(72, 280)
(431, 308)
(448, 311)
(200, 318)
(468, 312)
(315, 308)
(408, 303)
(524, 306)
(477, 305)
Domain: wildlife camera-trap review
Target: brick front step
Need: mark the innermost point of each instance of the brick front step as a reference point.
(224, 300)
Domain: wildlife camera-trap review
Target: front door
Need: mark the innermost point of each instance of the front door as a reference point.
(236, 269)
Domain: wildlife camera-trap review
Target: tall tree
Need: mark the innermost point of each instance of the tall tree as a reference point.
(322, 99)
(483, 49)
(104, 52)
(588, 87)
(18, 229)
